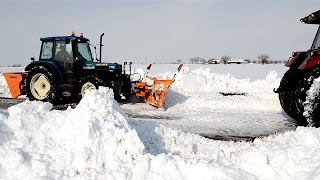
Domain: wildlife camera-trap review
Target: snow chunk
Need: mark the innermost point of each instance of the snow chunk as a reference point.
(4, 89)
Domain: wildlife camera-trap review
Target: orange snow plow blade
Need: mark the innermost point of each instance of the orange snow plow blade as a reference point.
(153, 90)
(14, 81)
(153, 93)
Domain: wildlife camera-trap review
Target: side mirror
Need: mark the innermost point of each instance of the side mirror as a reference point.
(32, 58)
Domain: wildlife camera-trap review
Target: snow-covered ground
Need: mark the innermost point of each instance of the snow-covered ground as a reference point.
(100, 139)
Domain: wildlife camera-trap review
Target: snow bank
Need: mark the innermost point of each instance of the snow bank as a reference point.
(201, 88)
(95, 141)
(92, 141)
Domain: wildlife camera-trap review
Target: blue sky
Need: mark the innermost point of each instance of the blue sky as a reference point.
(160, 30)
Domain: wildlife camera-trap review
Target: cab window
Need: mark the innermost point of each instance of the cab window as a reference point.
(63, 51)
(83, 52)
(46, 50)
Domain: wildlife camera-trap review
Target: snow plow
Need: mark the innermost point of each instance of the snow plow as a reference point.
(153, 90)
(66, 69)
(14, 81)
(299, 90)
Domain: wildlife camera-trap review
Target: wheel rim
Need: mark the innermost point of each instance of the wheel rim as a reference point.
(86, 86)
(40, 86)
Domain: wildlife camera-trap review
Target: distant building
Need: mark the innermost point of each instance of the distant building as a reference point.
(237, 61)
(214, 61)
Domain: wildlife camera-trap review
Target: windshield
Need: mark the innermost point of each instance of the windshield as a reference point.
(316, 42)
(83, 52)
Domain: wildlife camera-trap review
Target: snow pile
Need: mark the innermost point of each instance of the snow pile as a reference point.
(194, 87)
(92, 141)
(95, 141)
(291, 155)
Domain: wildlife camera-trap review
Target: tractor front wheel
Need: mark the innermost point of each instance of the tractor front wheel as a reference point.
(88, 82)
(41, 85)
(287, 89)
(308, 99)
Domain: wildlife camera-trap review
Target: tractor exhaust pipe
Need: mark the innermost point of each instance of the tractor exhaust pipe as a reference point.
(101, 46)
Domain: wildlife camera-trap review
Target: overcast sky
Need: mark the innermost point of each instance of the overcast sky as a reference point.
(160, 30)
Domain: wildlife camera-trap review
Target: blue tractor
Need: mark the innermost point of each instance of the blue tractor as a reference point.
(66, 68)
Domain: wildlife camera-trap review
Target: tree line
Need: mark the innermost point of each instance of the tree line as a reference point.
(261, 59)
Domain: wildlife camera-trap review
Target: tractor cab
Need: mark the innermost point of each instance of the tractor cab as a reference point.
(303, 60)
(65, 50)
(72, 57)
(314, 18)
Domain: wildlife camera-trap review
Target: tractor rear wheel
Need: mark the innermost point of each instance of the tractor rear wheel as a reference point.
(88, 82)
(308, 99)
(287, 89)
(42, 85)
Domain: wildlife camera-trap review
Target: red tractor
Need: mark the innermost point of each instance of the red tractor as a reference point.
(299, 90)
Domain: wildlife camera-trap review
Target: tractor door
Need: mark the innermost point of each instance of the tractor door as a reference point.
(82, 54)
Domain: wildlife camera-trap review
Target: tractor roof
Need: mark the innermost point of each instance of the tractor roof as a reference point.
(313, 18)
(63, 38)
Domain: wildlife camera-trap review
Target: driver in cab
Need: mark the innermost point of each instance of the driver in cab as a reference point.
(63, 54)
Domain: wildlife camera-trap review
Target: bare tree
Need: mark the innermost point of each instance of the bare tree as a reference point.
(197, 60)
(225, 59)
(264, 58)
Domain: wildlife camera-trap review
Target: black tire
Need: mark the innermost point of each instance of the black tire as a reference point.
(300, 94)
(88, 82)
(287, 89)
(42, 85)
(308, 106)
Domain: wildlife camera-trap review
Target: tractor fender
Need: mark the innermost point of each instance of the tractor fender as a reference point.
(297, 59)
(87, 73)
(311, 61)
(95, 74)
(50, 64)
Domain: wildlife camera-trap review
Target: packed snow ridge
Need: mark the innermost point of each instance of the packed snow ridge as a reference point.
(96, 141)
